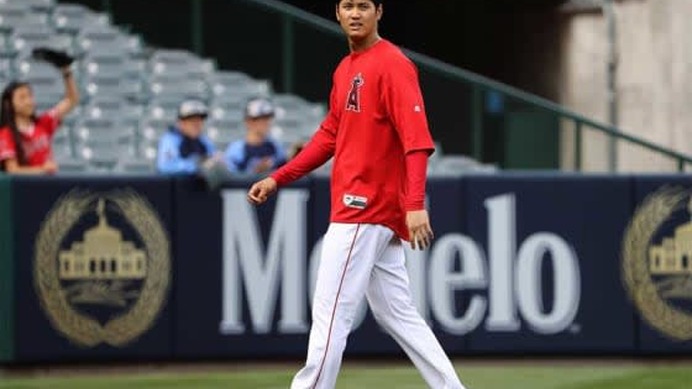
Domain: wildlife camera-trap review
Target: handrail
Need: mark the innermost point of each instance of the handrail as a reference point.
(298, 14)
(445, 69)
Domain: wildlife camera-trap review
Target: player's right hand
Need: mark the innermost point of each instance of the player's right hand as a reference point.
(260, 191)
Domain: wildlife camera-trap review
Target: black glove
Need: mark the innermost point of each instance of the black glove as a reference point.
(57, 58)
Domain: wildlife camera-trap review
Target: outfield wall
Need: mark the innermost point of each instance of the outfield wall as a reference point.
(151, 268)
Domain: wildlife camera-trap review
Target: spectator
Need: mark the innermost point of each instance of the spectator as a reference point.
(258, 153)
(184, 148)
(25, 137)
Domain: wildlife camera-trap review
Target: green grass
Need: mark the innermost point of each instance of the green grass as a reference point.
(492, 375)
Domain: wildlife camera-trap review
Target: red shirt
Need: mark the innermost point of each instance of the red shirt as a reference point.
(36, 143)
(376, 117)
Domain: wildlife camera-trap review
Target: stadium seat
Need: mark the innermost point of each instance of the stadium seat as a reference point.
(110, 108)
(229, 85)
(226, 113)
(6, 70)
(135, 68)
(223, 132)
(172, 55)
(102, 143)
(147, 150)
(71, 166)
(178, 88)
(161, 110)
(231, 102)
(135, 166)
(24, 38)
(112, 86)
(97, 39)
(104, 64)
(13, 15)
(105, 129)
(289, 102)
(150, 130)
(73, 17)
(63, 144)
(30, 69)
(35, 5)
(196, 69)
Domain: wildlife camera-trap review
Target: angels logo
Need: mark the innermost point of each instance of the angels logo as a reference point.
(353, 100)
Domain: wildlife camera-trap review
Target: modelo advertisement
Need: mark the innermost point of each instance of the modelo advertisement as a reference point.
(520, 265)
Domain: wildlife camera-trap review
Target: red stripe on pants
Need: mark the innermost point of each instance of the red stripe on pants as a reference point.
(336, 302)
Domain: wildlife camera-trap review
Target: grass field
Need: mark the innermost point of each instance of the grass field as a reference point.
(477, 375)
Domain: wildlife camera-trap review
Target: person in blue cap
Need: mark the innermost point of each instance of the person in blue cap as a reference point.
(183, 149)
(258, 152)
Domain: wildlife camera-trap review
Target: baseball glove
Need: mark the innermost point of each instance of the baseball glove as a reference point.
(57, 58)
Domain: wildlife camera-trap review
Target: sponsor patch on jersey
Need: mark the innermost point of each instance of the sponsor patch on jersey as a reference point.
(353, 201)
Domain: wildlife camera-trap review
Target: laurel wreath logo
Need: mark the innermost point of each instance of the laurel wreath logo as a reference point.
(649, 216)
(140, 317)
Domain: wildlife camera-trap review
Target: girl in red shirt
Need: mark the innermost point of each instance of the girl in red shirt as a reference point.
(26, 138)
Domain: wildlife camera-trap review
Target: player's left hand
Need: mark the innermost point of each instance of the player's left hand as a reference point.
(419, 229)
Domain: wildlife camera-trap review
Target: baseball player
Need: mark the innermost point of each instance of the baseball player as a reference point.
(376, 130)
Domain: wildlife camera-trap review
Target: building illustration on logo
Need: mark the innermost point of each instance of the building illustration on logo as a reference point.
(103, 255)
(122, 267)
(657, 262)
(674, 255)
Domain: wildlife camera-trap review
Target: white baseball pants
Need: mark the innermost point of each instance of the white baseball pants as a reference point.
(358, 260)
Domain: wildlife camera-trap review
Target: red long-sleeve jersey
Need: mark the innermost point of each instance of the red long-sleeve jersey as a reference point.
(375, 127)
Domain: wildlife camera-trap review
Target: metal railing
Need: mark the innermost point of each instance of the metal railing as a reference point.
(479, 86)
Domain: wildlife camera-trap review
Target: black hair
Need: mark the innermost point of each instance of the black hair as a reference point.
(376, 2)
(7, 117)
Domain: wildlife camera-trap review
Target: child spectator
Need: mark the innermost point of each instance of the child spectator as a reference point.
(258, 152)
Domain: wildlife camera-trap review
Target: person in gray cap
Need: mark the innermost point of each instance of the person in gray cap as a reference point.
(258, 152)
(184, 148)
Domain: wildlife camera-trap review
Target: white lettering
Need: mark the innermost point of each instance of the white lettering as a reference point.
(444, 282)
(501, 248)
(566, 283)
(285, 257)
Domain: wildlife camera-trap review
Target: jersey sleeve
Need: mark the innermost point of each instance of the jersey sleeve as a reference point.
(49, 120)
(317, 151)
(8, 150)
(416, 167)
(405, 106)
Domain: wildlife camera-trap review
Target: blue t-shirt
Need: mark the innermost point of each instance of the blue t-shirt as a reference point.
(180, 155)
(243, 158)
